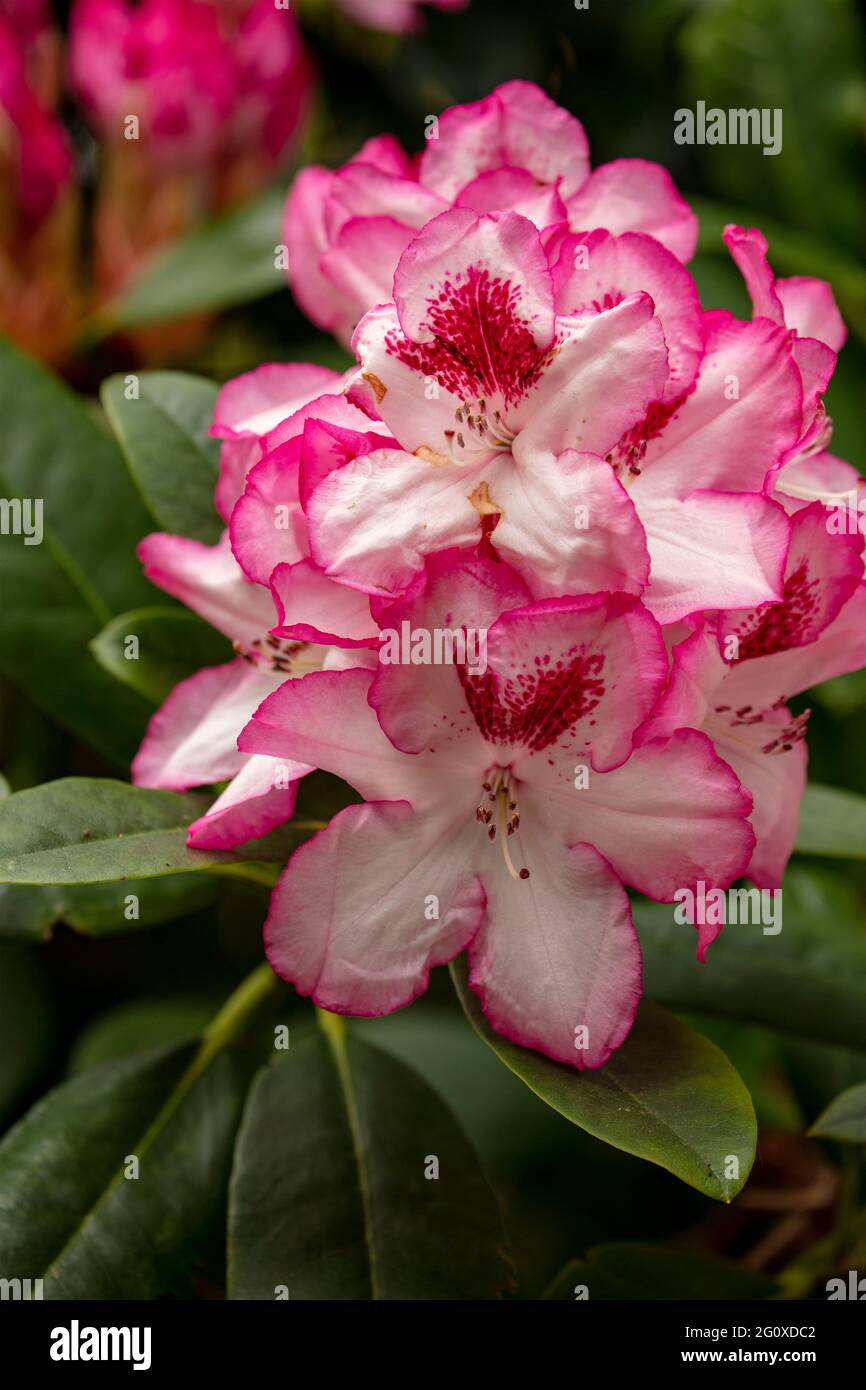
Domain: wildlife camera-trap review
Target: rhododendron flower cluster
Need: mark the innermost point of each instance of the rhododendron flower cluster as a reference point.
(548, 440)
(393, 16)
(36, 186)
(195, 101)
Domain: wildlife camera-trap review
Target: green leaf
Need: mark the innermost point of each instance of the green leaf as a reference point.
(73, 1214)
(103, 1234)
(629, 1270)
(667, 1095)
(808, 980)
(163, 432)
(171, 644)
(230, 260)
(102, 909)
(93, 830)
(844, 1118)
(143, 1025)
(329, 1197)
(832, 823)
(58, 594)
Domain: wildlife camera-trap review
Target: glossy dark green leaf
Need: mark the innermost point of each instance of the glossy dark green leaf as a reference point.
(667, 1095)
(329, 1198)
(161, 420)
(231, 260)
(115, 1182)
(809, 979)
(58, 594)
(628, 1270)
(832, 823)
(142, 1025)
(71, 1215)
(93, 830)
(102, 909)
(844, 1118)
(170, 644)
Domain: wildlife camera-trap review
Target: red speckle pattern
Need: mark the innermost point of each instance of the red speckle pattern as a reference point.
(774, 627)
(538, 705)
(607, 301)
(481, 346)
(631, 449)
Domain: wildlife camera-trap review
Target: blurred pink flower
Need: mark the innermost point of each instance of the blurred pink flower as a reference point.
(207, 79)
(195, 103)
(37, 234)
(394, 16)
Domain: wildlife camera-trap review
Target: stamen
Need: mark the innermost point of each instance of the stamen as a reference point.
(500, 792)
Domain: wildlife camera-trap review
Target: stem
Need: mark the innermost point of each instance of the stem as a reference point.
(238, 1007)
(228, 1023)
(332, 1025)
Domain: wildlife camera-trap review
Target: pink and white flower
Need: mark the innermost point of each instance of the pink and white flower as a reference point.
(734, 674)
(473, 834)
(514, 150)
(192, 739)
(521, 391)
(808, 309)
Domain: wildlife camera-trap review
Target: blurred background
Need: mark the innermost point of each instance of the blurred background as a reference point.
(195, 286)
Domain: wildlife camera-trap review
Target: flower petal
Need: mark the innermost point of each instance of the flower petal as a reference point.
(606, 370)
(597, 270)
(423, 706)
(368, 906)
(712, 550)
(306, 239)
(324, 719)
(191, 741)
(208, 580)
(373, 521)
(363, 258)
(261, 797)
(634, 195)
(557, 964)
(568, 525)
(253, 404)
(670, 816)
(569, 678)
(821, 574)
(811, 310)
(313, 608)
(267, 526)
(737, 423)
(517, 125)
